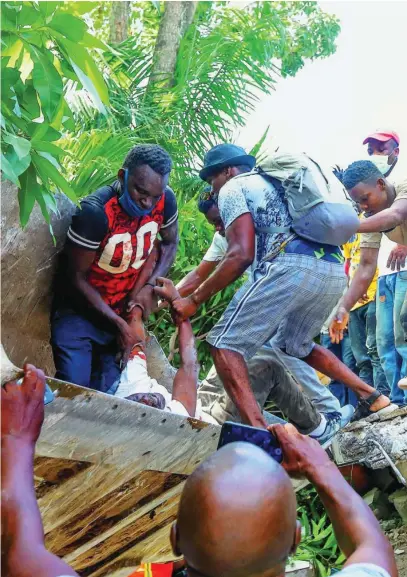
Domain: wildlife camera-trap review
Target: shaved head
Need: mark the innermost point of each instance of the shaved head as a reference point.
(237, 515)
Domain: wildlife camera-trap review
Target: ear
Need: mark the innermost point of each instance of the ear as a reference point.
(297, 537)
(120, 175)
(396, 151)
(174, 538)
(381, 183)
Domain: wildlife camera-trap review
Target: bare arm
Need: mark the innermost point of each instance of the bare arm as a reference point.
(358, 287)
(356, 528)
(196, 277)
(386, 219)
(241, 239)
(363, 277)
(23, 549)
(80, 261)
(168, 248)
(186, 380)
(240, 254)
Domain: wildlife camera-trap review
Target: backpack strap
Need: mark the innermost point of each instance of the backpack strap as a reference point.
(272, 229)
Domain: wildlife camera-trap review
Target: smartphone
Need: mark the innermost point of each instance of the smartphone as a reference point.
(233, 432)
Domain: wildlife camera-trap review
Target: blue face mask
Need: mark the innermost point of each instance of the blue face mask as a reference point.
(128, 204)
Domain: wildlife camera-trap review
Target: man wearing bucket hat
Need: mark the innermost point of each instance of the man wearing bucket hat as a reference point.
(294, 283)
(223, 162)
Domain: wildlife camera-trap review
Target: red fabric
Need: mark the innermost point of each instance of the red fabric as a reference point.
(114, 285)
(382, 136)
(153, 570)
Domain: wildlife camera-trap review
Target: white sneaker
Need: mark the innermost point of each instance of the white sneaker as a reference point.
(403, 384)
(334, 423)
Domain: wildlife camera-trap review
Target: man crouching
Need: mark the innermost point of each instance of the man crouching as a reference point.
(135, 383)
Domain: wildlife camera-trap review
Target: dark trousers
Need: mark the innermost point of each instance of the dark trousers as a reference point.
(84, 353)
(362, 333)
(343, 352)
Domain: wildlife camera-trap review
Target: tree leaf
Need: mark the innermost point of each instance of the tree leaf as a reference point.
(48, 172)
(13, 52)
(48, 8)
(45, 146)
(47, 82)
(26, 196)
(89, 40)
(21, 146)
(8, 171)
(66, 24)
(86, 70)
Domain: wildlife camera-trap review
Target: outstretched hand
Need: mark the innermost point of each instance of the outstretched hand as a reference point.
(166, 290)
(22, 406)
(338, 324)
(302, 455)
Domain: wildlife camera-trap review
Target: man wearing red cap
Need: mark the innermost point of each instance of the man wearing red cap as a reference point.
(384, 143)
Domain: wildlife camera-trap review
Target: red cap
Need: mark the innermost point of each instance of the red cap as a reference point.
(383, 136)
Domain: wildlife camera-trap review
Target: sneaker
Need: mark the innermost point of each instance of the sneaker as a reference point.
(334, 423)
(403, 384)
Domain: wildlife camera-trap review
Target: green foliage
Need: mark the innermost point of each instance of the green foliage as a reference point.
(68, 119)
(318, 544)
(43, 48)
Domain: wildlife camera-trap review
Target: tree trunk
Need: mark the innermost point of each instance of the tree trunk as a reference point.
(119, 19)
(174, 23)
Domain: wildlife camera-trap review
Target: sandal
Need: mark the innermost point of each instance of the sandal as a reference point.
(363, 407)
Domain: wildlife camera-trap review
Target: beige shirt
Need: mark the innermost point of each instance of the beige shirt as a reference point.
(398, 234)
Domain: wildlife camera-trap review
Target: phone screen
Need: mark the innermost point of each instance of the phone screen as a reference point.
(233, 432)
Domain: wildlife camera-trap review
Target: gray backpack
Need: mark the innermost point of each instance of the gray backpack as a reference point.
(317, 201)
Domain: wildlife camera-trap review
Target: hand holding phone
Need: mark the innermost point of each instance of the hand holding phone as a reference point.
(234, 432)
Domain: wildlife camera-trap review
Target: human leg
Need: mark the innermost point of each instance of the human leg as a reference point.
(336, 388)
(401, 345)
(325, 361)
(105, 368)
(358, 338)
(379, 378)
(349, 360)
(233, 372)
(71, 347)
(322, 398)
(386, 346)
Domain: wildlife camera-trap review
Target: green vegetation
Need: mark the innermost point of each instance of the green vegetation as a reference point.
(73, 105)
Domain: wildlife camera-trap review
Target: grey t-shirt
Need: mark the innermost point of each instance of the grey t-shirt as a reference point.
(266, 203)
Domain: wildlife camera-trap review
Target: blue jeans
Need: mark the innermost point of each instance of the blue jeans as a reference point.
(362, 333)
(343, 352)
(84, 353)
(391, 345)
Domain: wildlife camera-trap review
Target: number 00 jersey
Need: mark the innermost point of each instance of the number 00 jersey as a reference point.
(122, 244)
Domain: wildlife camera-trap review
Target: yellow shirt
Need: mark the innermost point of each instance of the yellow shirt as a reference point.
(351, 250)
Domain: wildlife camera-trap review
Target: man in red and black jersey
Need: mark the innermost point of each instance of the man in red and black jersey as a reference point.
(100, 275)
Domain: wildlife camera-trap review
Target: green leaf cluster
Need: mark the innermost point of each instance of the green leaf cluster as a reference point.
(45, 53)
(318, 543)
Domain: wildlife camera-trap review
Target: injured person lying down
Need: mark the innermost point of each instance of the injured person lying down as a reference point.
(135, 383)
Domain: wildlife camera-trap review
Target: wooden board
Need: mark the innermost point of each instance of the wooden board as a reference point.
(108, 475)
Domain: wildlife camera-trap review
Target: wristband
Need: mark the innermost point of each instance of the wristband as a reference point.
(151, 284)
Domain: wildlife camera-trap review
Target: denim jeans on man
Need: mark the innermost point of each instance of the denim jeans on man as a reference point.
(362, 333)
(84, 351)
(391, 345)
(343, 352)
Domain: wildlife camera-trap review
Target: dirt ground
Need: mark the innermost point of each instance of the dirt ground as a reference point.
(398, 538)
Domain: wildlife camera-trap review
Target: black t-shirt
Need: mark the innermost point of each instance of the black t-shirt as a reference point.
(121, 244)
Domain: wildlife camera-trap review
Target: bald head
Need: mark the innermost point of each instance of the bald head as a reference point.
(237, 515)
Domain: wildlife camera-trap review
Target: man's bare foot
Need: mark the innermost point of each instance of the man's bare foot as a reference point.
(22, 406)
(166, 290)
(380, 403)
